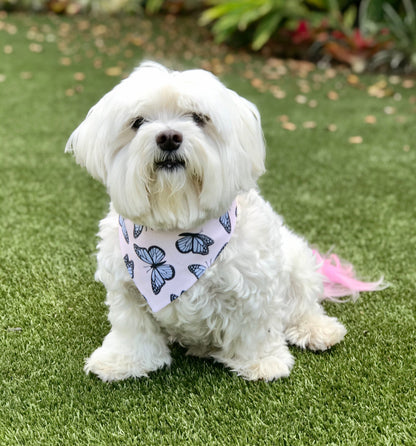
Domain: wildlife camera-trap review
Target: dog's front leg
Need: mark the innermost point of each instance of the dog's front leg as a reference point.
(135, 345)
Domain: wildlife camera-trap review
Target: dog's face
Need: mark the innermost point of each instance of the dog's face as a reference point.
(173, 148)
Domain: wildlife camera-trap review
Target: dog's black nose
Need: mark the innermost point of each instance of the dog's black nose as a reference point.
(169, 140)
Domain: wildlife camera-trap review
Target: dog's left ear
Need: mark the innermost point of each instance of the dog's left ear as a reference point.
(250, 135)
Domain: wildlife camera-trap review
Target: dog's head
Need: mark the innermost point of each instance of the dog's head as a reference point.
(173, 148)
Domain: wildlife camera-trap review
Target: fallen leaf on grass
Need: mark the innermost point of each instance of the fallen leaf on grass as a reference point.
(277, 92)
(309, 125)
(289, 126)
(353, 79)
(113, 71)
(389, 110)
(333, 95)
(408, 83)
(35, 48)
(355, 140)
(65, 61)
(98, 63)
(257, 83)
(395, 80)
(380, 90)
(301, 99)
(370, 119)
(79, 76)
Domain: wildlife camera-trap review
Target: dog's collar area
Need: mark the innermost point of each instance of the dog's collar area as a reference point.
(165, 264)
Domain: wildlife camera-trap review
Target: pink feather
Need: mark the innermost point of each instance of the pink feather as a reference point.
(340, 279)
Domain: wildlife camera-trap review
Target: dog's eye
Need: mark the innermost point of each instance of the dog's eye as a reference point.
(137, 123)
(200, 119)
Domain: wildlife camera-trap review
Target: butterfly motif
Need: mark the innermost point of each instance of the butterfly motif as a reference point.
(137, 230)
(129, 265)
(175, 296)
(197, 270)
(226, 222)
(197, 243)
(122, 223)
(160, 270)
(221, 250)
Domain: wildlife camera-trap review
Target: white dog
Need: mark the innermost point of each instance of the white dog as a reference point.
(180, 155)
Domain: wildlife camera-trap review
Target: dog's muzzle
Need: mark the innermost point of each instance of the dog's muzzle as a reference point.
(169, 142)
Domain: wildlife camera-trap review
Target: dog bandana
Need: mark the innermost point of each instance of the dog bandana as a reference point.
(164, 264)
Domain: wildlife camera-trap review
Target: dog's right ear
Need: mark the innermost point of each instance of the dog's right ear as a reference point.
(89, 142)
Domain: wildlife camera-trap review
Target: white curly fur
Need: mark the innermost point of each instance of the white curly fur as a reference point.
(263, 291)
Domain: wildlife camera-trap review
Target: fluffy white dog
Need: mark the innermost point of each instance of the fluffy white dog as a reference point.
(178, 153)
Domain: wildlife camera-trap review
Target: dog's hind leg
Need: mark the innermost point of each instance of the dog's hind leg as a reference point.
(260, 354)
(316, 332)
(308, 325)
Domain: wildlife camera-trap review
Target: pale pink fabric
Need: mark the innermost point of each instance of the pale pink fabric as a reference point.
(164, 264)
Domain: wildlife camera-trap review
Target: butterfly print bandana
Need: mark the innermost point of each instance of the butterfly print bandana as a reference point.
(164, 264)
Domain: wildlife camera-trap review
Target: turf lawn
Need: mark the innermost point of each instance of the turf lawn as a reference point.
(341, 170)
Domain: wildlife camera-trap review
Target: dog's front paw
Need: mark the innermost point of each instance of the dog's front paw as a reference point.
(316, 332)
(111, 365)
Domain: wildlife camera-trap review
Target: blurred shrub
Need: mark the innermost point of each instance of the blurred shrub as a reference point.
(365, 34)
(259, 18)
(102, 6)
(398, 23)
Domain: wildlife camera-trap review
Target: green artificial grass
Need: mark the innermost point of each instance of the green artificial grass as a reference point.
(359, 197)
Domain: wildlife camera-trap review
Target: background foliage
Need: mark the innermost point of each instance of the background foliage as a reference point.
(364, 34)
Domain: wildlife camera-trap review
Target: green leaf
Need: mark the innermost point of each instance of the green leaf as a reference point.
(215, 13)
(397, 25)
(153, 6)
(252, 15)
(350, 15)
(265, 30)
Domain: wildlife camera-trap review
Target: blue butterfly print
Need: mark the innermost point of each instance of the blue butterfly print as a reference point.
(197, 243)
(137, 230)
(175, 296)
(197, 270)
(221, 250)
(123, 228)
(226, 222)
(129, 265)
(160, 270)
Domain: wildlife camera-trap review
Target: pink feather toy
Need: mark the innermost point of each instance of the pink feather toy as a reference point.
(340, 279)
